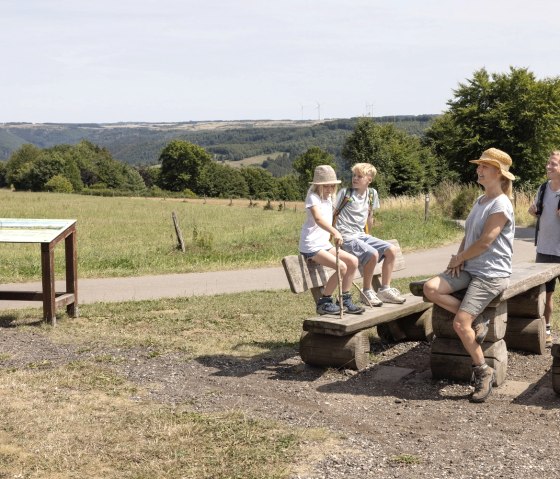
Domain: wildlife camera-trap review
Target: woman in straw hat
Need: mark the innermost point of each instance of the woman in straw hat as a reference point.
(315, 246)
(482, 265)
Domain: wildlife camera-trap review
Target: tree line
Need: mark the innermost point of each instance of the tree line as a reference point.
(512, 111)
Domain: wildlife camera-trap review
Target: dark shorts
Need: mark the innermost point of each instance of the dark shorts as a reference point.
(309, 256)
(548, 258)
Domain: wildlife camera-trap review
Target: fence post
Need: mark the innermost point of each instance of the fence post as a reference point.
(181, 242)
(426, 206)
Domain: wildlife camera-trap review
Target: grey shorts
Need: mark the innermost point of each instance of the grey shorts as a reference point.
(548, 258)
(480, 291)
(365, 247)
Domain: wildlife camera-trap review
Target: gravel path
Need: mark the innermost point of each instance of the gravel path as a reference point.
(389, 421)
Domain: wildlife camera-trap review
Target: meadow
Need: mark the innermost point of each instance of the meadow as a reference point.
(74, 403)
(122, 236)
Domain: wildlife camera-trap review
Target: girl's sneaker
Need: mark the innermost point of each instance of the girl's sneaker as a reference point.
(325, 305)
(349, 306)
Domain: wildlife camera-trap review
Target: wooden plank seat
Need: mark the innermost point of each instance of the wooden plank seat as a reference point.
(331, 341)
(516, 322)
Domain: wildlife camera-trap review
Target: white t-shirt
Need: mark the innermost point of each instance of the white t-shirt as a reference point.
(352, 218)
(313, 238)
(496, 261)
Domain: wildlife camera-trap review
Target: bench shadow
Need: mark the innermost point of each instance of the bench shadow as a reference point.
(405, 377)
(10, 321)
(540, 394)
(281, 359)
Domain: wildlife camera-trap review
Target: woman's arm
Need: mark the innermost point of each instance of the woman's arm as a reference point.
(492, 228)
(316, 213)
(455, 270)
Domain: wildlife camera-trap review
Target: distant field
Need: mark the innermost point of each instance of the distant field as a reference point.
(135, 236)
(253, 160)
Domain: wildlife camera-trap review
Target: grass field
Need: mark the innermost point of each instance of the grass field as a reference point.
(134, 236)
(253, 160)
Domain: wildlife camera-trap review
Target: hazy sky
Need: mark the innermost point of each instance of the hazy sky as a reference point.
(182, 60)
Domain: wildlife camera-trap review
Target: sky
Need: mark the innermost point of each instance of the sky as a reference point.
(108, 61)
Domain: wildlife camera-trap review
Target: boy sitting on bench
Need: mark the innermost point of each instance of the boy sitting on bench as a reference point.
(353, 218)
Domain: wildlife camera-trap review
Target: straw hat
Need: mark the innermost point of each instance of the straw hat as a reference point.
(497, 158)
(324, 175)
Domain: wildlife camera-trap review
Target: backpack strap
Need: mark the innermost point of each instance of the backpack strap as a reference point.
(343, 202)
(539, 205)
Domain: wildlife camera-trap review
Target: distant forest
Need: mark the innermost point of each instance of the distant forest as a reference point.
(140, 144)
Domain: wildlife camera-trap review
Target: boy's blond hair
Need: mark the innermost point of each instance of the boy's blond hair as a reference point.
(365, 169)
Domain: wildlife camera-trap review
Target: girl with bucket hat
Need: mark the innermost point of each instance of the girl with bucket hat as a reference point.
(314, 244)
(482, 265)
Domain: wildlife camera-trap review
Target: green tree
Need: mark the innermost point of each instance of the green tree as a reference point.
(3, 181)
(289, 188)
(59, 184)
(19, 167)
(217, 180)
(261, 183)
(305, 165)
(181, 165)
(404, 165)
(511, 111)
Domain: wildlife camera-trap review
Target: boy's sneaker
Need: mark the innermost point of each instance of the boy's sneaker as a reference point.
(372, 298)
(391, 295)
(483, 379)
(548, 340)
(325, 305)
(480, 326)
(349, 306)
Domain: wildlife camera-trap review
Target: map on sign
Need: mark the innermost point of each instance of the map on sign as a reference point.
(13, 230)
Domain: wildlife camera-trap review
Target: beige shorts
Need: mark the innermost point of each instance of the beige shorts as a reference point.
(480, 291)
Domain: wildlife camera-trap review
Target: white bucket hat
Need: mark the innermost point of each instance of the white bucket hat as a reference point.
(324, 175)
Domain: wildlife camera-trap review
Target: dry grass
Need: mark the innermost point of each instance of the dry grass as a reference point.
(82, 421)
(446, 192)
(79, 417)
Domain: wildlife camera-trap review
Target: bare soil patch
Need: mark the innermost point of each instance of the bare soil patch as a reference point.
(390, 420)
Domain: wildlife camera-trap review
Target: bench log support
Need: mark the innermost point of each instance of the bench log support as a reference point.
(516, 322)
(555, 351)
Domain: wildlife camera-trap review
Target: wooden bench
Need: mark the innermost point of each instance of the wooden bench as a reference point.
(331, 341)
(516, 322)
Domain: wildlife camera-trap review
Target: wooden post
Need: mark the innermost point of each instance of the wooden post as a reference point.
(339, 280)
(181, 242)
(49, 297)
(426, 206)
(71, 255)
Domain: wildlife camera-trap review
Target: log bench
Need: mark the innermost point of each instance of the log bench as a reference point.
(330, 341)
(516, 322)
(555, 351)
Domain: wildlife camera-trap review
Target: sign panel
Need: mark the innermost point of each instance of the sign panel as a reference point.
(16, 230)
